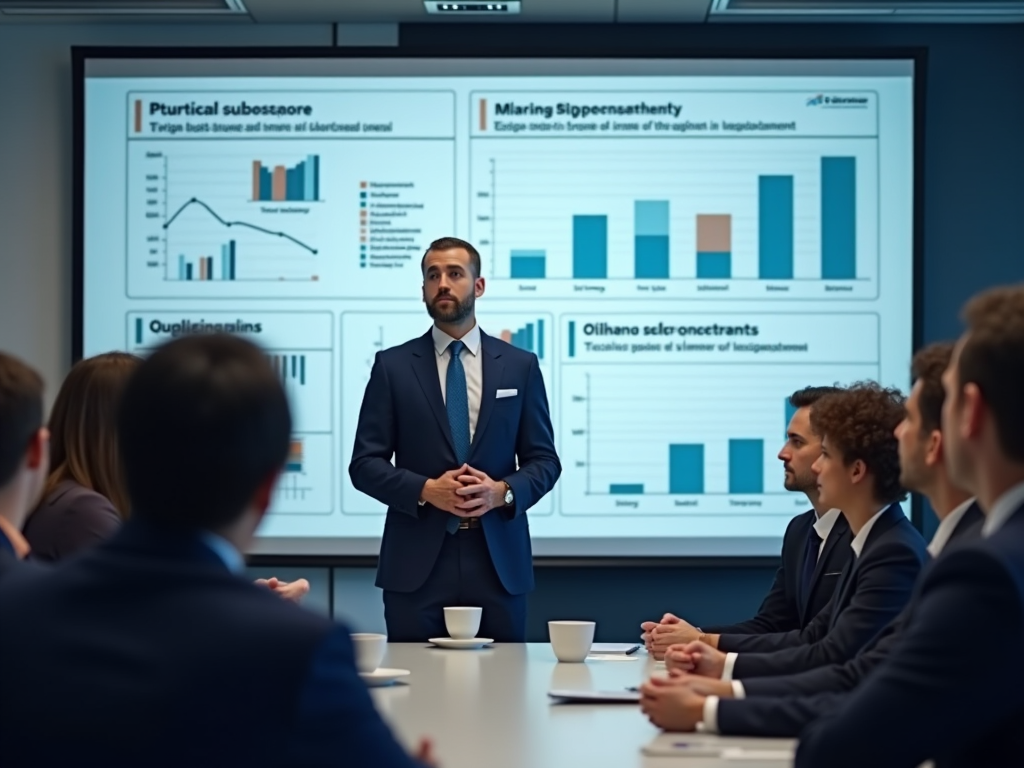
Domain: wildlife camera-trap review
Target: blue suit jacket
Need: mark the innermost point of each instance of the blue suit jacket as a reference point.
(403, 416)
(783, 705)
(147, 651)
(872, 591)
(926, 701)
(783, 610)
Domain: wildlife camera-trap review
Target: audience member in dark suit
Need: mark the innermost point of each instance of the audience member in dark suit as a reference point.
(464, 417)
(950, 692)
(24, 455)
(149, 649)
(858, 471)
(815, 548)
(84, 500)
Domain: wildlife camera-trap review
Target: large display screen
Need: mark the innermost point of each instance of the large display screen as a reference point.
(682, 243)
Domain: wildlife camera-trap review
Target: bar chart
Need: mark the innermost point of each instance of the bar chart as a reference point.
(299, 182)
(677, 439)
(744, 218)
(306, 486)
(208, 267)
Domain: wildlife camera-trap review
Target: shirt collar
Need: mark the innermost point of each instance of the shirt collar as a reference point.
(862, 536)
(442, 340)
(1003, 509)
(946, 527)
(825, 523)
(224, 550)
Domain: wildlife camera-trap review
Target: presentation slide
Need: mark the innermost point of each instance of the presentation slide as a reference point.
(681, 243)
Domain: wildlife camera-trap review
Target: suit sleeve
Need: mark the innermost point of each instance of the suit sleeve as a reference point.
(91, 520)
(883, 588)
(371, 469)
(925, 700)
(778, 641)
(777, 612)
(539, 466)
(336, 722)
(775, 717)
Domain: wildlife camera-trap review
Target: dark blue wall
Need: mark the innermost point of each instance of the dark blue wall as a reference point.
(973, 238)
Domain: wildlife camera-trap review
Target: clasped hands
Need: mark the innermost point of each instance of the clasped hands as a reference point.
(659, 636)
(464, 492)
(676, 702)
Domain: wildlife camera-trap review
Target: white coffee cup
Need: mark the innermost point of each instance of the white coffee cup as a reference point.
(571, 640)
(369, 650)
(462, 623)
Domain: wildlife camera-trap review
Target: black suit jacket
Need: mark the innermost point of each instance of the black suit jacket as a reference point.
(147, 651)
(782, 609)
(783, 705)
(926, 702)
(872, 590)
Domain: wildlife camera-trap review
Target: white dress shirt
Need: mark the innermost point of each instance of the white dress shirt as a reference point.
(1003, 509)
(862, 535)
(823, 527)
(472, 364)
(946, 527)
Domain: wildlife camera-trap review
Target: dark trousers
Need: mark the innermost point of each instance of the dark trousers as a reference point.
(463, 575)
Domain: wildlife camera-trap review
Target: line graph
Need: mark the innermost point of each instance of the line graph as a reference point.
(226, 223)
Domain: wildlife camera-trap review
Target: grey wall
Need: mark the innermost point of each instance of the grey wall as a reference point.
(974, 233)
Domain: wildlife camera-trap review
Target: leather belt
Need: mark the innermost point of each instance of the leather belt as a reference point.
(472, 522)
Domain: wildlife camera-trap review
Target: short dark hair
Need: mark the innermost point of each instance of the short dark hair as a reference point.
(21, 412)
(927, 367)
(203, 422)
(860, 422)
(992, 358)
(808, 396)
(449, 243)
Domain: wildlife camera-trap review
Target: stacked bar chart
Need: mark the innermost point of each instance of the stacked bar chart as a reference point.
(295, 454)
(651, 228)
(714, 246)
(300, 182)
(529, 264)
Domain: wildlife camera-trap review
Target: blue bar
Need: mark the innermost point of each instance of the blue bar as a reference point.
(746, 466)
(775, 227)
(181, 267)
(790, 410)
(529, 336)
(572, 338)
(209, 267)
(589, 247)
(302, 370)
(293, 466)
(714, 266)
(295, 364)
(540, 339)
(650, 257)
(626, 488)
(266, 188)
(838, 218)
(316, 177)
(188, 271)
(294, 182)
(309, 186)
(529, 265)
(138, 330)
(225, 263)
(686, 468)
(232, 244)
(650, 217)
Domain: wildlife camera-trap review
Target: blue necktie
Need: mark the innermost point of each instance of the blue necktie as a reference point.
(810, 563)
(457, 404)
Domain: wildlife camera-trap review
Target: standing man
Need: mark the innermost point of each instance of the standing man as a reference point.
(465, 418)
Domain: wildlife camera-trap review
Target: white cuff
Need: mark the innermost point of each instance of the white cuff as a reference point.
(730, 663)
(738, 691)
(710, 722)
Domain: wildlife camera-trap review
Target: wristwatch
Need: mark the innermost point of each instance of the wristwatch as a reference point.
(509, 496)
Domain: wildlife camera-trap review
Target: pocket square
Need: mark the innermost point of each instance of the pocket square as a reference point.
(506, 393)
(834, 573)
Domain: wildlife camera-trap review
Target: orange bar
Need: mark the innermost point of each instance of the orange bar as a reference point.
(714, 233)
(202, 267)
(278, 185)
(483, 114)
(506, 336)
(138, 115)
(256, 167)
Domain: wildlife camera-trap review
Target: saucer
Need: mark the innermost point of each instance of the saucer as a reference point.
(467, 644)
(381, 676)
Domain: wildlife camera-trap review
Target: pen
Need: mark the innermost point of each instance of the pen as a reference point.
(633, 650)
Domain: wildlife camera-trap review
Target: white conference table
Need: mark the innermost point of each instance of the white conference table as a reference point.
(489, 708)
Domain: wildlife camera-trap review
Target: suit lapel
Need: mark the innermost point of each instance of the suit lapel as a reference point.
(886, 520)
(819, 568)
(493, 370)
(424, 366)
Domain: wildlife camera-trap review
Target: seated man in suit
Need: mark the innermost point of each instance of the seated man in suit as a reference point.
(783, 705)
(858, 471)
(150, 649)
(950, 692)
(24, 455)
(815, 548)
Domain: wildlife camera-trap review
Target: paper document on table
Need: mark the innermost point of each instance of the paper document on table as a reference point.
(767, 752)
(625, 648)
(596, 697)
(611, 657)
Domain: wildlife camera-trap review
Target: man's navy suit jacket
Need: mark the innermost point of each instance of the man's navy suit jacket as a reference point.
(148, 651)
(784, 608)
(403, 416)
(950, 691)
(871, 592)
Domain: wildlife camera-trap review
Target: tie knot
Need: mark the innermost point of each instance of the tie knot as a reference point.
(455, 348)
(814, 537)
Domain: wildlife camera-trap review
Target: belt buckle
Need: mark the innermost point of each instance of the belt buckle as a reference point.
(463, 525)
